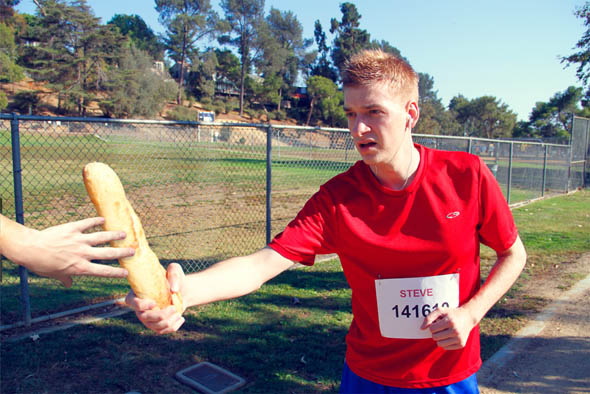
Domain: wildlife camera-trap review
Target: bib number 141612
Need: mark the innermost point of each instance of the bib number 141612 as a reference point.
(415, 310)
(403, 303)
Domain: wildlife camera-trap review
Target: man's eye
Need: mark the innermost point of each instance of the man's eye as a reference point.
(375, 111)
(349, 115)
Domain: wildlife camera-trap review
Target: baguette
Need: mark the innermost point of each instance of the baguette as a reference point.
(147, 276)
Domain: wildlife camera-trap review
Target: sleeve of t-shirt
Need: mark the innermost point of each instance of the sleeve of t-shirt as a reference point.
(309, 233)
(496, 224)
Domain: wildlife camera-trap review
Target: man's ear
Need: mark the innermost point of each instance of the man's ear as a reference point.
(413, 113)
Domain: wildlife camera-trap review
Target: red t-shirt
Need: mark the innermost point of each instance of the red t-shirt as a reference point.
(433, 227)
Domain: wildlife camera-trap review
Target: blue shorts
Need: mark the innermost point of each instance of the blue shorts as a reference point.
(354, 384)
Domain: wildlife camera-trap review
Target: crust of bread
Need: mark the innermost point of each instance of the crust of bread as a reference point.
(147, 276)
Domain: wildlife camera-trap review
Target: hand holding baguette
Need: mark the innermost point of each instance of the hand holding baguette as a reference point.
(146, 275)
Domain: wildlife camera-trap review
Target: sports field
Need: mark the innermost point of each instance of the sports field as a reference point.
(200, 191)
(199, 200)
(201, 195)
(288, 337)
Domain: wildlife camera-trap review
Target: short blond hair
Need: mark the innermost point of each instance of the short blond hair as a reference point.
(374, 65)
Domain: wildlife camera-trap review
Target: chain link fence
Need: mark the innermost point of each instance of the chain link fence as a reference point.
(580, 154)
(204, 192)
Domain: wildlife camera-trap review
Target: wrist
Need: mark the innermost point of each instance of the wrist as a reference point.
(473, 314)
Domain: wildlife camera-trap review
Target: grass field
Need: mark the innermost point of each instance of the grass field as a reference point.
(192, 194)
(193, 197)
(289, 336)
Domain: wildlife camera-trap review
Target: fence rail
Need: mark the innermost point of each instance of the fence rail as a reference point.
(205, 191)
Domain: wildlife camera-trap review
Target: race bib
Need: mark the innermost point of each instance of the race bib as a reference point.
(404, 303)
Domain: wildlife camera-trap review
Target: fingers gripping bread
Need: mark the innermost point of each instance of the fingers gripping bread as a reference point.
(146, 276)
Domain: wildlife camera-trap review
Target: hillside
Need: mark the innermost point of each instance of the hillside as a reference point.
(48, 105)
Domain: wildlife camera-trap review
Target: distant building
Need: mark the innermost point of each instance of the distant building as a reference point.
(300, 92)
(226, 87)
(158, 67)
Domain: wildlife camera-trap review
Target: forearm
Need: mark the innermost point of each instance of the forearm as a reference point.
(504, 273)
(13, 240)
(234, 277)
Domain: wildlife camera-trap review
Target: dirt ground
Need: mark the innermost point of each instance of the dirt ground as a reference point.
(552, 353)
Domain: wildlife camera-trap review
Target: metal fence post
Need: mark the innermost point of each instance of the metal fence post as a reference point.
(509, 180)
(268, 181)
(544, 171)
(569, 164)
(19, 213)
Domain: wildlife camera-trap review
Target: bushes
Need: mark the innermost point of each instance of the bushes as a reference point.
(3, 101)
(25, 102)
(183, 114)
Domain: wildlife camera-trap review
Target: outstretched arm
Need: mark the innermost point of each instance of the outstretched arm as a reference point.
(231, 278)
(450, 327)
(63, 251)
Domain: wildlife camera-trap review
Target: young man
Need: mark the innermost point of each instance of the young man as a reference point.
(61, 252)
(406, 223)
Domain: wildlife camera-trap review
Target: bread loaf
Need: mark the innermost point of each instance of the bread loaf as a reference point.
(146, 276)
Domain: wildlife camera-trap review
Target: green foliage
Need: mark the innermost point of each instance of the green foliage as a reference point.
(25, 102)
(279, 115)
(134, 88)
(327, 99)
(244, 18)
(552, 119)
(186, 22)
(434, 118)
(79, 58)
(485, 116)
(140, 34)
(264, 92)
(73, 52)
(582, 57)
(182, 113)
(228, 67)
(282, 46)
(320, 65)
(349, 37)
(388, 48)
(200, 80)
(9, 70)
(229, 105)
(3, 100)
(218, 106)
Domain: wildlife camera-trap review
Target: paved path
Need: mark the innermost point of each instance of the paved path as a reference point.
(550, 355)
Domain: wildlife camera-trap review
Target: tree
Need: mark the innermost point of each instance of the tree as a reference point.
(582, 57)
(3, 100)
(322, 91)
(264, 91)
(319, 63)
(134, 88)
(245, 18)
(552, 119)
(385, 46)
(187, 22)
(202, 75)
(484, 117)
(434, 118)
(73, 52)
(140, 34)
(9, 70)
(7, 9)
(282, 47)
(349, 37)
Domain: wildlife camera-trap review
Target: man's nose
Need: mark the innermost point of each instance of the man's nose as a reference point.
(359, 127)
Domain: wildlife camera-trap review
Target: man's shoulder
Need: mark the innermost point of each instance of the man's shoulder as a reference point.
(347, 182)
(352, 175)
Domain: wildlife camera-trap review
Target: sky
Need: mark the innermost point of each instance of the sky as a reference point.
(509, 49)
